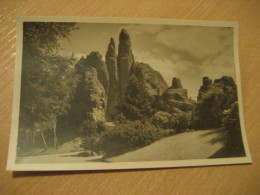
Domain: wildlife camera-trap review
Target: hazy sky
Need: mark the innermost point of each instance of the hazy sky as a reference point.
(188, 52)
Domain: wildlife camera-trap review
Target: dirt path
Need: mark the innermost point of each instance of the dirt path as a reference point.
(69, 157)
(190, 145)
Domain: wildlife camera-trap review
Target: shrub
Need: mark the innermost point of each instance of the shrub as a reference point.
(92, 143)
(121, 119)
(138, 103)
(179, 121)
(90, 127)
(91, 134)
(127, 137)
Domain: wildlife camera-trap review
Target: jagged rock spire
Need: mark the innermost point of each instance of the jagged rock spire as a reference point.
(111, 61)
(113, 94)
(125, 60)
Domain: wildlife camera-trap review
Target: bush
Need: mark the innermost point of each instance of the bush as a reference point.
(92, 143)
(90, 127)
(121, 119)
(179, 121)
(138, 103)
(127, 137)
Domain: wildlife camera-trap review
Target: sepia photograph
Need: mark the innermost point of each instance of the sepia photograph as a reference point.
(118, 93)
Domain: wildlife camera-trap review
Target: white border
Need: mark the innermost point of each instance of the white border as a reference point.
(11, 165)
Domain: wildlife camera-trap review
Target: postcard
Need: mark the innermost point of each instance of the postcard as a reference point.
(124, 93)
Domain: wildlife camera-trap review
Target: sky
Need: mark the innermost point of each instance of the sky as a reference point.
(187, 52)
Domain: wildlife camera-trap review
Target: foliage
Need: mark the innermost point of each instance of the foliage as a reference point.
(91, 133)
(121, 119)
(231, 123)
(219, 97)
(47, 77)
(209, 109)
(127, 137)
(137, 102)
(90, 127)
(92, 143)
(179, 121)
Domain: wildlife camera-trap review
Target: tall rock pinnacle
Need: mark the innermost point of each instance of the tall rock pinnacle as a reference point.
(111, 62)
(113, 93)
(125, 60)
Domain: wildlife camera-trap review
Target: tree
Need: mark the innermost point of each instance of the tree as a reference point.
(138, 104)
(47, 77)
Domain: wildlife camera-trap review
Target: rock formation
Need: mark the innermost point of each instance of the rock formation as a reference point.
(125, 60)
(213, 99)
(95, 96)
(94, 59)
(151, 82)
(176, 83)
(206, 84)
(144, 86)
(113, 92)
(175, 98)
(90, 97)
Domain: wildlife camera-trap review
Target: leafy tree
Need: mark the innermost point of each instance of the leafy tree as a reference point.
(47, 77)
(138, 104)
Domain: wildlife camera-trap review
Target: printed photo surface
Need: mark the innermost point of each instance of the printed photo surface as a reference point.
(118, 93)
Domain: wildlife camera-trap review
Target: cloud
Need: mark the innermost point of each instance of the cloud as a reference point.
(141, 29)
(165, 66)
(220, 65)
(200, 42)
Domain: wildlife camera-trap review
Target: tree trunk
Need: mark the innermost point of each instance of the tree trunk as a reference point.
(55, 141)
(33, 138)
(43, 139)
(27, 136)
